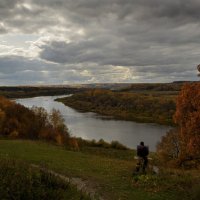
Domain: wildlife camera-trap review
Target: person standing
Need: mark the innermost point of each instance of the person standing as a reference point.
(142, 153)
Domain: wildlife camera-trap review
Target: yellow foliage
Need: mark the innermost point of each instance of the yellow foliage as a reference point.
(14, 134)
(73, 144)
(59, 139)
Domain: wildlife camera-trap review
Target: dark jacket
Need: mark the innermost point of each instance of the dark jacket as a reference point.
(142, 151)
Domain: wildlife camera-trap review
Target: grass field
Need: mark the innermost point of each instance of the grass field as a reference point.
(109, 171)
(21, 181)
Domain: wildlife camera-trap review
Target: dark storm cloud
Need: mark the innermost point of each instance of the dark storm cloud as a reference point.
(90, 12)
(122, 8)
(6, 7)
(74, 52)
(24, 17)
(106, 53)
(142, 38)
(16, 70)
(2, 29)
(179, 9)
(13, 64)
(136, 32)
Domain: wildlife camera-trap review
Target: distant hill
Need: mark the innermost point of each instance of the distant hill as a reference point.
(50, 90)
(175, 86)
(31, 91)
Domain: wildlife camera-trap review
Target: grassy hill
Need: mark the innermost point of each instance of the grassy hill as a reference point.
(20, 181)
(109, 171)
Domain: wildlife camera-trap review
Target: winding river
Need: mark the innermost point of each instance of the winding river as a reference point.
(94, 126)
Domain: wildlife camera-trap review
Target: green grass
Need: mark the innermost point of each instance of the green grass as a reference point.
(20, 181)
(110, 171)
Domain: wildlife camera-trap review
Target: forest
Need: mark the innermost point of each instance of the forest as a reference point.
(17, 121)
(140, 107)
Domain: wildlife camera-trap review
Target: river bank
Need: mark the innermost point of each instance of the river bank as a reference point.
(91, 126)
(139, 107)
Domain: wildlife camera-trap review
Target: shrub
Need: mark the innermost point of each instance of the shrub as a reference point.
(101, 143)
(168, 149)
(117, 145)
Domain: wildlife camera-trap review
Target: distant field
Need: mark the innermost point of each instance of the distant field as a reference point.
(109, 172)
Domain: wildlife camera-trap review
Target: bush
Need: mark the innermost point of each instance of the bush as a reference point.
(101, 143)
(117, 145)
(168, 149)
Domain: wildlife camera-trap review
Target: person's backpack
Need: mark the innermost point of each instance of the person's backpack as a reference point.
(145, 151)
(142, 151)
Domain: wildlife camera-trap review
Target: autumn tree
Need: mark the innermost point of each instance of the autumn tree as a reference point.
(40, 122)
(60, 131)
(182, 145)
(187, 117)
(17, 121)
(2, 119)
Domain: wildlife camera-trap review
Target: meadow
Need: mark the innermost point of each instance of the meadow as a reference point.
(20, 181)
(108, 171)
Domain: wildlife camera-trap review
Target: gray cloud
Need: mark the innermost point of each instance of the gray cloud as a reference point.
(92, 40)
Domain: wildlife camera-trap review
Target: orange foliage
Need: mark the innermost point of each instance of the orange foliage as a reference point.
(125, 105)
(73, 143)
(187, 116)
(17, 121)
(59, 139)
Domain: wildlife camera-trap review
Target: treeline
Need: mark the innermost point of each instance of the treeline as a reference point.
(31, 91)
(125, 105)
(175, 86)
(17, 121)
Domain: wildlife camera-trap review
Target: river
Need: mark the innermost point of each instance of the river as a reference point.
(94, 126)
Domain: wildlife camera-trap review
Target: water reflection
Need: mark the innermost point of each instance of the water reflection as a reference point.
(93, 126)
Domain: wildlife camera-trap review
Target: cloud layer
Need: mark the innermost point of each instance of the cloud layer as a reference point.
(84, 41)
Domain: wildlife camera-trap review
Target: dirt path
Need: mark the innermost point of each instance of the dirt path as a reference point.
(84, 186)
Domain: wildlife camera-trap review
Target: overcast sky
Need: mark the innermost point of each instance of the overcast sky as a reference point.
(94, 41)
